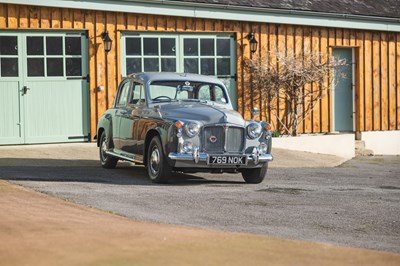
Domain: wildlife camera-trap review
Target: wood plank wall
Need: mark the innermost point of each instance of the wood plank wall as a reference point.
(377, 58)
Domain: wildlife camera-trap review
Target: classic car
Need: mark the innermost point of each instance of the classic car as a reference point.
(174, 122)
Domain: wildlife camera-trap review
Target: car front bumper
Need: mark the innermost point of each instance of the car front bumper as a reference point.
(255, 159)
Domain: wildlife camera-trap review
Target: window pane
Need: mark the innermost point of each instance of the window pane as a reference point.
(204, 93)
(136, 94)
(191, 65)
(223, 47)
(207, 47)
(123, 95)
(55, 67)
(54, 46)
(168, 64)
(74, 66)
(168, 46)
(133, 65)
(151, 65)
(133, 46)
(150, 46)
(34, 45)
(190, 46)
(9, 67)
(35, 67)
(8, 45)
(73, 45)
(223, 66)
(207, 66)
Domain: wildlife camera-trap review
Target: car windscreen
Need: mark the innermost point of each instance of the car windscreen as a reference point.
(160, 91)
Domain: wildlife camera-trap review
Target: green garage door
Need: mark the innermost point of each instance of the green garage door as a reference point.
(43, 87)
(206, 54)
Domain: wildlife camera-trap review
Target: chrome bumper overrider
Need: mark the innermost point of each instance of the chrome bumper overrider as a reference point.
(202, 157)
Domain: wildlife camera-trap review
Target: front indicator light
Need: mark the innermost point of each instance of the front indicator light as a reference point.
(178, 124)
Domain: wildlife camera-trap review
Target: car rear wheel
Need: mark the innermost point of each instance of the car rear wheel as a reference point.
(157, 166)
(107, 161)
(255, 175)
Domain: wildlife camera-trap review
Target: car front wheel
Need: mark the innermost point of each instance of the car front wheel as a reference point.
(157, 166)
(107, 161)
(255, 175)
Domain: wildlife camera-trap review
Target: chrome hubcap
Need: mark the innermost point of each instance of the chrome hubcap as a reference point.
(103, 150)
(155, 161)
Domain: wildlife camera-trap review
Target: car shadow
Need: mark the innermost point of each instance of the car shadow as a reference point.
(90, 171)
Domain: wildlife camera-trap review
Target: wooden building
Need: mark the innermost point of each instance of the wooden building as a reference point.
(56, 78)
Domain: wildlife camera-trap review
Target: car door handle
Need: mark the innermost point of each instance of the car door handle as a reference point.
(25, 90)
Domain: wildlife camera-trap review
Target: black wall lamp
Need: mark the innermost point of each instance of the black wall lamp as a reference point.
(253, 42)
(107, 41)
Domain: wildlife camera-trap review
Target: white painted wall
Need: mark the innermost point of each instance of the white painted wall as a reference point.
(382, 142)
(342, 145)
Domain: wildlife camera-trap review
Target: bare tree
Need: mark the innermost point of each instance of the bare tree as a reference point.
(301, 81)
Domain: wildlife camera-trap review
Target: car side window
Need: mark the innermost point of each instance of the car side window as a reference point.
(138, 96)
(219, 95)
(204, 93)
(123, 94)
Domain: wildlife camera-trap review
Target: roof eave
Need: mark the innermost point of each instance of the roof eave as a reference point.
(228, 12)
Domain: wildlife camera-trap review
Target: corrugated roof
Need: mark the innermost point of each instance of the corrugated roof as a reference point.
(375, 8)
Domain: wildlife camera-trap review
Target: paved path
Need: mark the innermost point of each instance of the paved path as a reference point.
(36, 229)
(39, 229)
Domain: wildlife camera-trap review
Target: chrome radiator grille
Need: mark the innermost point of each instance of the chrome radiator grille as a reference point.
(219, 139)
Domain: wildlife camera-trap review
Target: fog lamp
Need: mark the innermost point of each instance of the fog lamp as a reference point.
(263, 148)
(187, 147)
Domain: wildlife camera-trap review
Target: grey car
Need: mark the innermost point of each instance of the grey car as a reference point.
(174, 122)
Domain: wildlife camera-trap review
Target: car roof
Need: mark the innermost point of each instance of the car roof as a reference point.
(149, 77)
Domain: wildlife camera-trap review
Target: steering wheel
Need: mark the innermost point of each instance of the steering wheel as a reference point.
(162, 96)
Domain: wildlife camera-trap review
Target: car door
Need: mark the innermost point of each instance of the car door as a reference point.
(129, 124)
(121, 111)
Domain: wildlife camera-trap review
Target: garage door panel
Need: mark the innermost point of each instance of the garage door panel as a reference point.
(10, 130)
(53, 111)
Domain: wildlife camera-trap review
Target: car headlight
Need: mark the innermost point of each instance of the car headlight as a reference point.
(254, 130)
(192, 129)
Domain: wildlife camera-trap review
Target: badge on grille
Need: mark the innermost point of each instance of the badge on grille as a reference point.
(213, 139)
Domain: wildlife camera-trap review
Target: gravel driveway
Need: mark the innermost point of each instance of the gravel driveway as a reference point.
(356, 204)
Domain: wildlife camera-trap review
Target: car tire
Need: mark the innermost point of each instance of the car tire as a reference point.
(158, 168)
(255, 175)
(107, 161)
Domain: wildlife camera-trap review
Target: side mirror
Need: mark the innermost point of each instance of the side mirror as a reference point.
(254, 112)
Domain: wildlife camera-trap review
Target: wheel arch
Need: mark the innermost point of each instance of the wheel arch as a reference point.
(159, 132)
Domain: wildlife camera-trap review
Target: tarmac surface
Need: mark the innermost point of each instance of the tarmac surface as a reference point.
(43, 230)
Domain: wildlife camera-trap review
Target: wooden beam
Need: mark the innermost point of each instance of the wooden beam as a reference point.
(3, 15)
(376, 81)
(55, 18)
(90, 27)
(384, 83)
(111, 59)
(34, 17)
(360, 86)
(368, 81)
(45, 18)
(324, 50)
(392, 80)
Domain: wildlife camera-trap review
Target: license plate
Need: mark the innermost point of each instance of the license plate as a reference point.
(227, 160)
